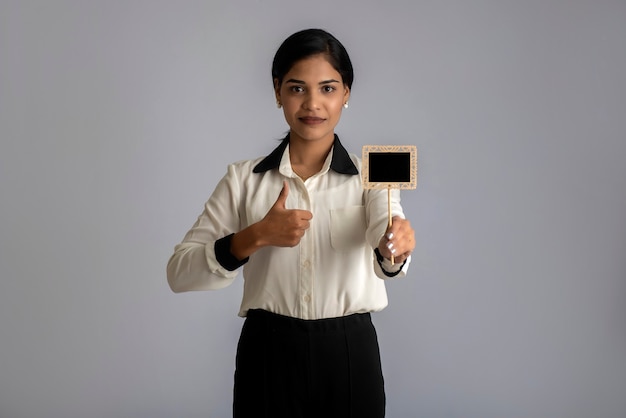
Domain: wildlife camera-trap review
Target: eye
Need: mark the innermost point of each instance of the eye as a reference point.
(328, 89)
(297, 89)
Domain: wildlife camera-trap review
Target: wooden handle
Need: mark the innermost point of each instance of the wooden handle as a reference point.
(389, 211)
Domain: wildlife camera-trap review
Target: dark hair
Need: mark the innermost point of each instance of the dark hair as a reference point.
(309, 42)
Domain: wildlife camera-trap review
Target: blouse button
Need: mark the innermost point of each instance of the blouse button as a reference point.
(307, 298)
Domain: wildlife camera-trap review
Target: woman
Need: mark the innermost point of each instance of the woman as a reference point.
(314, 246)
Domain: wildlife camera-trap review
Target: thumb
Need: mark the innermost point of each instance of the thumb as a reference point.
(282, 197)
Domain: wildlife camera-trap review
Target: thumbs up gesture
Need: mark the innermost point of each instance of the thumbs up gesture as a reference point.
(281, 227)
(284, 227)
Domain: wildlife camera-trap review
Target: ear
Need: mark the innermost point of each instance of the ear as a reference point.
(277, 89)
(346, 93)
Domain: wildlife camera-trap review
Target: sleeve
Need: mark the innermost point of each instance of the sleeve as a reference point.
(377, 214)
(197, 261)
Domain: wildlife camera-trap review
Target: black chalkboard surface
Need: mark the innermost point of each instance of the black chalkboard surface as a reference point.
(390, 167)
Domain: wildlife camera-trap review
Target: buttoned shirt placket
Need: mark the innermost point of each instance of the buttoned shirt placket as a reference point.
(306, 274)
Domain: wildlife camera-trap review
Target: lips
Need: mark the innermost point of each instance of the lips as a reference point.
(311, 120)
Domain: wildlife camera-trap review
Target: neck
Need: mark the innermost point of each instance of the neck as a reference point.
(308, 157)
(309, 152)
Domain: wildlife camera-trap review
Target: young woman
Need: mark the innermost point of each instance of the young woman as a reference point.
(314, 246)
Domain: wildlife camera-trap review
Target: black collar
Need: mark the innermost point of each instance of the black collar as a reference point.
(341, 162)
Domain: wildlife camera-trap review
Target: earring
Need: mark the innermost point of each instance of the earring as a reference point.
(345, 105)
(278, 104)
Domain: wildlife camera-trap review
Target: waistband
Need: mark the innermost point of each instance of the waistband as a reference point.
(277, 322)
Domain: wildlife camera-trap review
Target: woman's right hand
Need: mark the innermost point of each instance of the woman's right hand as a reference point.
(281, 227)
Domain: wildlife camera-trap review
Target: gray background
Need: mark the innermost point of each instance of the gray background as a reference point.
(117, 119)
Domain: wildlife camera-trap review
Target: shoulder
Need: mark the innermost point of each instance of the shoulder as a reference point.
(245, 165)
(243, 168)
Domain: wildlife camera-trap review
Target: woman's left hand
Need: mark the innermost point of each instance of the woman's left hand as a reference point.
(399, 240)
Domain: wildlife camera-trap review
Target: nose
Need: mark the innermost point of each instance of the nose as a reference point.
(311, 101)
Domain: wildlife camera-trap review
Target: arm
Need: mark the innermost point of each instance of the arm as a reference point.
(194, 264)
(210, 254)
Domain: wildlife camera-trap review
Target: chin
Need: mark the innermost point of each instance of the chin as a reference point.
(313, 135)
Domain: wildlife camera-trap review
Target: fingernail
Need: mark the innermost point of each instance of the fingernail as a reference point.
(393, 251)
(390, 245)
(390, 235)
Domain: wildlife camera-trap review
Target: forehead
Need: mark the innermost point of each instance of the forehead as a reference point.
(313, 68)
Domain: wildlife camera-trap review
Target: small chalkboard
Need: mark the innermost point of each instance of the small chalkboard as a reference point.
(389, 167)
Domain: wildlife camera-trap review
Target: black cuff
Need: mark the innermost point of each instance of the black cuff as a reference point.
(225, 257)
(380, 258)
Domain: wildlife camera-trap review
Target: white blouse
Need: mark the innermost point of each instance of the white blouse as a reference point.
(332, 272)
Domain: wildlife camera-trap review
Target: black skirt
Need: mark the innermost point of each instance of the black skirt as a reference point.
(296, 368)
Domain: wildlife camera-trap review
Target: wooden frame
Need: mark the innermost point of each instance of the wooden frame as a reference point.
(389, 167)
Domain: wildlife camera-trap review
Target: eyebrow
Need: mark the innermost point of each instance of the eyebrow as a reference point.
(293, 80)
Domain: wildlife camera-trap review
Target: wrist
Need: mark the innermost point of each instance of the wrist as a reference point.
(389, 269)
(225, 256)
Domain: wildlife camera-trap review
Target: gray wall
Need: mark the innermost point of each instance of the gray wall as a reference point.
(117, 119)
